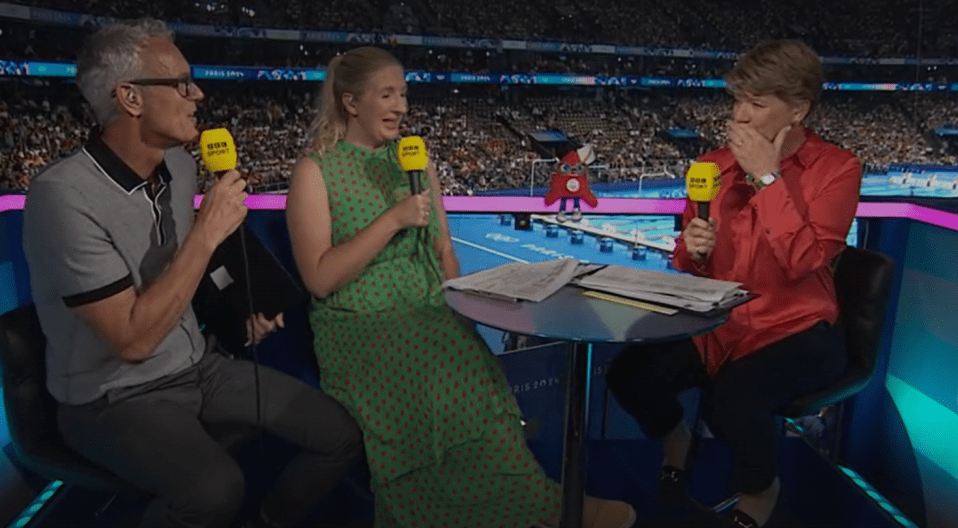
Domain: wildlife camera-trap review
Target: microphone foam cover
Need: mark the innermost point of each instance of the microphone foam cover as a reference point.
(218, 150)
(703, 181)
(412, 154)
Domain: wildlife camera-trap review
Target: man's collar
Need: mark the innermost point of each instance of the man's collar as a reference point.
(116, 168)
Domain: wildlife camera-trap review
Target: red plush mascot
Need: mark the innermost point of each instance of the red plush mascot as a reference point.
(572, 182)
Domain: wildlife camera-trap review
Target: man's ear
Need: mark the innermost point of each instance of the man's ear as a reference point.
(129, 99)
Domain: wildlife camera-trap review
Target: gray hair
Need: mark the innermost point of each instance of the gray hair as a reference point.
(110, 56)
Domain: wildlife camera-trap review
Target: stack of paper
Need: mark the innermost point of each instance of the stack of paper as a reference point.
(530, 282)
(689, 292)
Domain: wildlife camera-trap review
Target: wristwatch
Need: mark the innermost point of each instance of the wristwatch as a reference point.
(768, 179)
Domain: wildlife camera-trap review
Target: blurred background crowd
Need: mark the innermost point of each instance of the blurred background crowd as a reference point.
(878, 28)
(482, 141)
(482, 137)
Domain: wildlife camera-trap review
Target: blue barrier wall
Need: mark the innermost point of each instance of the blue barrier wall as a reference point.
(899, 432)
(922, 371)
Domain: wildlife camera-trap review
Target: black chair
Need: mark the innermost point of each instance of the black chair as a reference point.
(31, 413)
(862, 283)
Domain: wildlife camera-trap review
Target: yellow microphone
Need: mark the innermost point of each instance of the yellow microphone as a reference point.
(413, 159)
(703, 182)
(218, 150)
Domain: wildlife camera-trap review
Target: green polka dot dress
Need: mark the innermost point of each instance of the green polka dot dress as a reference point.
(441, 428)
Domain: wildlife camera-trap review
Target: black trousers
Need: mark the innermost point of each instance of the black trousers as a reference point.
(152, 436)
(740, 403)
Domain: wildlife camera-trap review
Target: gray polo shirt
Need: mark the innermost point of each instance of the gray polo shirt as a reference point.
(91, 229)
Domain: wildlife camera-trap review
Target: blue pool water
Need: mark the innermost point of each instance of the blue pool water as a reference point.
(484, 241)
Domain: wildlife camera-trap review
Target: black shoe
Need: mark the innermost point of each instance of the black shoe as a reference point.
(740, 519)
(673, 488)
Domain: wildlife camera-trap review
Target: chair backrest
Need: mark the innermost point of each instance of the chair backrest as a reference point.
(862, 283)
(31, 411)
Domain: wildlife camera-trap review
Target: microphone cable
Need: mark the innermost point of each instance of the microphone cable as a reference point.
(219, 155)
(252, 347)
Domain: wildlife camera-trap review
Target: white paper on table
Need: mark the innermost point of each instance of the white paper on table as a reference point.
(681, 290)
(585, 269)
(526, 281)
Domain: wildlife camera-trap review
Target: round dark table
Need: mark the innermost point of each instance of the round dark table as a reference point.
(580, 321)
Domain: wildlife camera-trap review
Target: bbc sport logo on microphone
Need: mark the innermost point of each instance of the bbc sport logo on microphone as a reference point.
(218, 148)
(698, 183)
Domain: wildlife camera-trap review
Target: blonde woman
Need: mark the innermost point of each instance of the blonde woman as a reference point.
(442, 431)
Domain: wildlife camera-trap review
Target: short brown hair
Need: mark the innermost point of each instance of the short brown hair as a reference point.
(788, 69)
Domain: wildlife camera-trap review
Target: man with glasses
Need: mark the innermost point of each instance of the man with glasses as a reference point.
(183, 84)
(115, 256)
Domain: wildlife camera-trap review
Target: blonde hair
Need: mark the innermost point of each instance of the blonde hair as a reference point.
(788, 69)
(346, 73)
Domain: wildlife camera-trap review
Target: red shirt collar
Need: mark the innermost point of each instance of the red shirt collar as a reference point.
(810, 150)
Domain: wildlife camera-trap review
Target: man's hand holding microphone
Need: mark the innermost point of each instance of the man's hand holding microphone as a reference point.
(223, 208)
(702, 182)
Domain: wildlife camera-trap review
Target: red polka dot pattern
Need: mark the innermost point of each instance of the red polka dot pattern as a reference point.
(441, 428)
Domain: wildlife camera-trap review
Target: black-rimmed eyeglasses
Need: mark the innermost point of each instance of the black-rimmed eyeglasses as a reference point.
(184, 85)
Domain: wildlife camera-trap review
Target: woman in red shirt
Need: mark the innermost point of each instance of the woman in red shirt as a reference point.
(786, 203)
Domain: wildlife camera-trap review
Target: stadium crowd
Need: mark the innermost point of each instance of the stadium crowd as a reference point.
(481, 141)
(873, 29)
(37, 128)
(687, 23)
